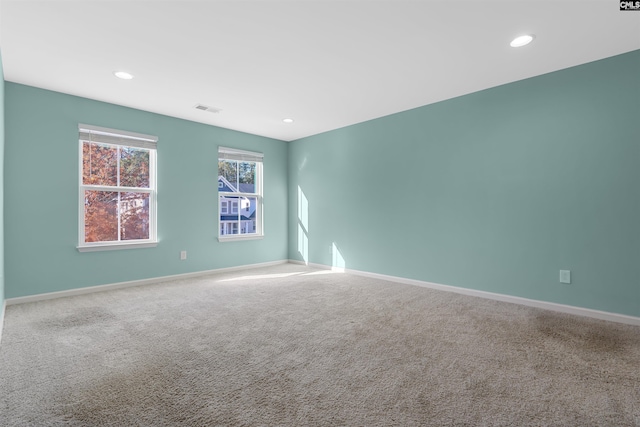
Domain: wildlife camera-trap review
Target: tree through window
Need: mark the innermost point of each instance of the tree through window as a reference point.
(117, 187)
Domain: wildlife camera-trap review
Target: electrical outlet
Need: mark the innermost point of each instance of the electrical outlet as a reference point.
(183, 255)
(565, 276)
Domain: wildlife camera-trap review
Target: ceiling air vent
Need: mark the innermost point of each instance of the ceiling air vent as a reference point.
(207, 108)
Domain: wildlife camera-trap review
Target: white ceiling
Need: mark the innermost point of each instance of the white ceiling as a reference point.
(326, 64)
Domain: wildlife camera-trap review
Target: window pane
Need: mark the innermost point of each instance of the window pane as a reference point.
(229, 214)
(248, 215)
(227, 228)
(134, 216)
(100, 216)
(228, 169)
(134, 167)
(99, 164)
(247, 177)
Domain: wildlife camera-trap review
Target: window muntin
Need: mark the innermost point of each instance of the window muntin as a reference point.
(239, 194)
(117, 188)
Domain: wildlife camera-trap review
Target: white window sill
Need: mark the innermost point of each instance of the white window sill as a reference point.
(237, 237)
(116, 246)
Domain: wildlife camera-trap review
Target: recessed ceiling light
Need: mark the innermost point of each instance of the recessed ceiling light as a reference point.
(287, 120)
(522, 40)
(123, 75)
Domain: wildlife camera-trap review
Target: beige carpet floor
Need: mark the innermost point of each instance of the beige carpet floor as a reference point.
(293, 346)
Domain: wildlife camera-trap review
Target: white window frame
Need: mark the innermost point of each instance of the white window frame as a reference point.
(226, 153)
(115, 137)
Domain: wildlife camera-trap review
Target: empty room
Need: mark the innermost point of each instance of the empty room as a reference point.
(319, 213)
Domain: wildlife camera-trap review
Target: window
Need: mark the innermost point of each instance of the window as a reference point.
(117, 189)
(239, 194)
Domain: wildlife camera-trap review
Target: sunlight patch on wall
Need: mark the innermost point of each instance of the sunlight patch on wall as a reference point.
(303, 225)
(337, 263)
(303, 244)
(303, 164)
(303, 209)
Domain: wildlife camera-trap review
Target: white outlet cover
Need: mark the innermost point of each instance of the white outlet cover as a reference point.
(565, 276)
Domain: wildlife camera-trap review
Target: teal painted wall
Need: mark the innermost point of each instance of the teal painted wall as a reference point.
(1, 191)
(41, 195)
(495, 191)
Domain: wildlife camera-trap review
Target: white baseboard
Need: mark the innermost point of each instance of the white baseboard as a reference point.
(3, 309)
(108, 287)
(580, 311)
(562, 308)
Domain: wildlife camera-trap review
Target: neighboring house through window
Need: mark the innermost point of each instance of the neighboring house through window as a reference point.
(239, 194)
(117, 189)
